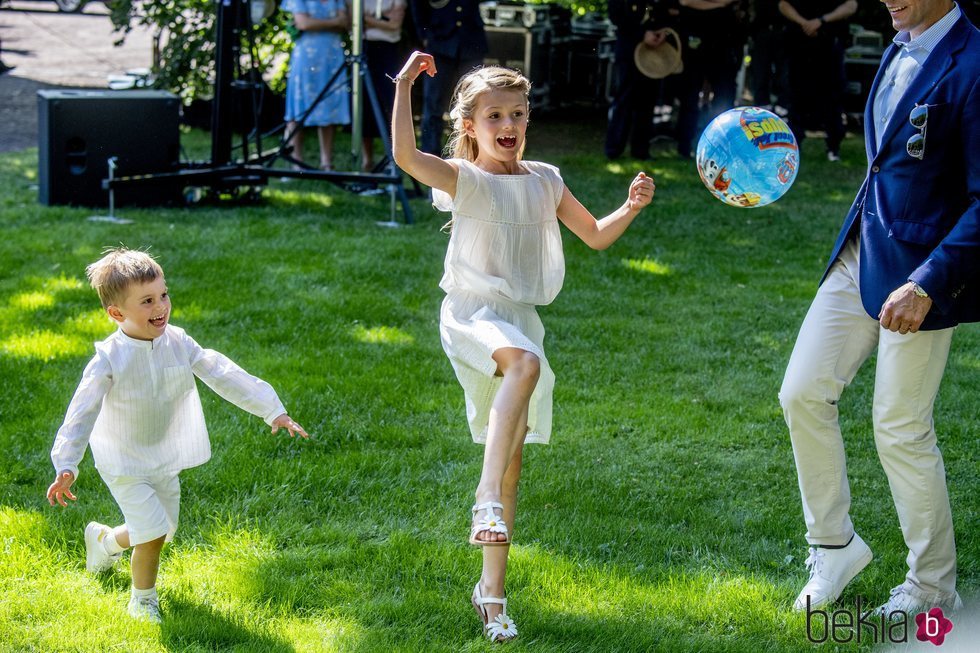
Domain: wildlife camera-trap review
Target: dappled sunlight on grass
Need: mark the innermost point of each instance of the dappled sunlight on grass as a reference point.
(45, 294)
(768, 341)
(332, 633)
(57, 284)
(23, 525)
(298, 198)
(32, 301)
(230, 559)
(720, 604)
(647, 265)
(966, 360)
(45, 345)
(71, 337)
(661, 175)
(381, 335)
(91, 324)
(230, 580)
(187, 313)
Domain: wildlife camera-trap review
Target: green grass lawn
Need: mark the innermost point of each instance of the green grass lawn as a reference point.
(664, 516)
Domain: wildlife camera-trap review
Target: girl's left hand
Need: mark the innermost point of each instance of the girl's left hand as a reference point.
(641, 193)
(286, 422)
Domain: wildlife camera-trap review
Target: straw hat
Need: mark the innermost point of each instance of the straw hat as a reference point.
(663, 60)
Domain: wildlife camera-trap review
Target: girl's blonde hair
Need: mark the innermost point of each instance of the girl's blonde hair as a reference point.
(468, 89)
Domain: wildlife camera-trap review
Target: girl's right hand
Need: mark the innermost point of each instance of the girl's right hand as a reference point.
(61, 488)
(418, 62)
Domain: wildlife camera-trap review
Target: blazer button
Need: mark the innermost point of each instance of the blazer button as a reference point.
(874, 168)
(459, 9)
(459, 24)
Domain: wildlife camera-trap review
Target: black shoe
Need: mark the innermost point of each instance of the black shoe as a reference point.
(4, 68)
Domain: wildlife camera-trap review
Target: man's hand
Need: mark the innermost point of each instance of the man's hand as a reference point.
(61, 488)
(286, 422)
(904, 310)
(812, 26)
(653, 38)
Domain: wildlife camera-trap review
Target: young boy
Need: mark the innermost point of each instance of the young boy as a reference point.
(138, 407)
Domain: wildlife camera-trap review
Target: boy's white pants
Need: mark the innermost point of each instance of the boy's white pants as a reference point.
(836, 337)
(150, 504)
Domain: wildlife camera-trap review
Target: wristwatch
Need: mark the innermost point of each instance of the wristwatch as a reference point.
(918, 290)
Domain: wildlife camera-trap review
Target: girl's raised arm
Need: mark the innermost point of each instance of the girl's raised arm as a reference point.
(426, 168)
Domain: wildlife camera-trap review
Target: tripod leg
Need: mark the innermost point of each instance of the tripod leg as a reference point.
(385, 141)
(403, 196)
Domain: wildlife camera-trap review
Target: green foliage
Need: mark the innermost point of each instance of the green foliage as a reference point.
(187, 43)
(665, 515)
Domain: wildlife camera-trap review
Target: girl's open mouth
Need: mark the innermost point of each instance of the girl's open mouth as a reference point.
(507, 141)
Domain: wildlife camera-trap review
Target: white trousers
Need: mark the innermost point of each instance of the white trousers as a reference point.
(836, 337)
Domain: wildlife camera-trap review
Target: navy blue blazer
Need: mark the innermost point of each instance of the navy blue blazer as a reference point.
(450, 28)
(920, 219)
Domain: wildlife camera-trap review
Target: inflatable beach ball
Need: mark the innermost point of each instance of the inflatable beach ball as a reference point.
(748, 157)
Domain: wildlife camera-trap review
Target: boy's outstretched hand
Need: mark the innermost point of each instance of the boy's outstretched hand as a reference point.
(61, 488)
(641, 191)
(284, 421)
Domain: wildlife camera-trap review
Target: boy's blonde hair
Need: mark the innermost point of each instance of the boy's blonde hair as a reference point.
(112, 274)
(469, 88)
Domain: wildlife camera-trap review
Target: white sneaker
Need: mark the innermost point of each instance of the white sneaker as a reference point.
(96, 557)
(905, 599)
(145, 608)
(830, 571)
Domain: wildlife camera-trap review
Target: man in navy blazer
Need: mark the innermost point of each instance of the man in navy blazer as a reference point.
(905, 270)
(452, 32)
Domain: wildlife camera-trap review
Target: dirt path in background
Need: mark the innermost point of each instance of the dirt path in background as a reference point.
(49, 49)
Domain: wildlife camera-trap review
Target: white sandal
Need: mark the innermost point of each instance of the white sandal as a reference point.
(490, 522)
(502, 628)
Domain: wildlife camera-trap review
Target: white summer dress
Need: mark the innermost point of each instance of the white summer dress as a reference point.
(504, 258)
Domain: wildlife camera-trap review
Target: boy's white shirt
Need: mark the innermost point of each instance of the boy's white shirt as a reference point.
(137, 405)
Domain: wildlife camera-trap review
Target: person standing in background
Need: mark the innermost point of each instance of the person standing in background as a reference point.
(317, 54)
(452, 32)
(815, 49)
(712, 54)
(635, 94)
(383, 31)
(768, 75)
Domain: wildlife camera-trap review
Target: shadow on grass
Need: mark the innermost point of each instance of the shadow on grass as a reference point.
(192, 626)
(417, 593)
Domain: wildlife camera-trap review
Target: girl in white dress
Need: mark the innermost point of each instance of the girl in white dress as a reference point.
(504, 258)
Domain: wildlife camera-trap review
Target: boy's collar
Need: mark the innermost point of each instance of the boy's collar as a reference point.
(137, 342)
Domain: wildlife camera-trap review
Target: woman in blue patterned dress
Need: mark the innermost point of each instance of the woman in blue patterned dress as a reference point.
(317, 54)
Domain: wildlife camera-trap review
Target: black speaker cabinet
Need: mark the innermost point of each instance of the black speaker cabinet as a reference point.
(78, 130)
